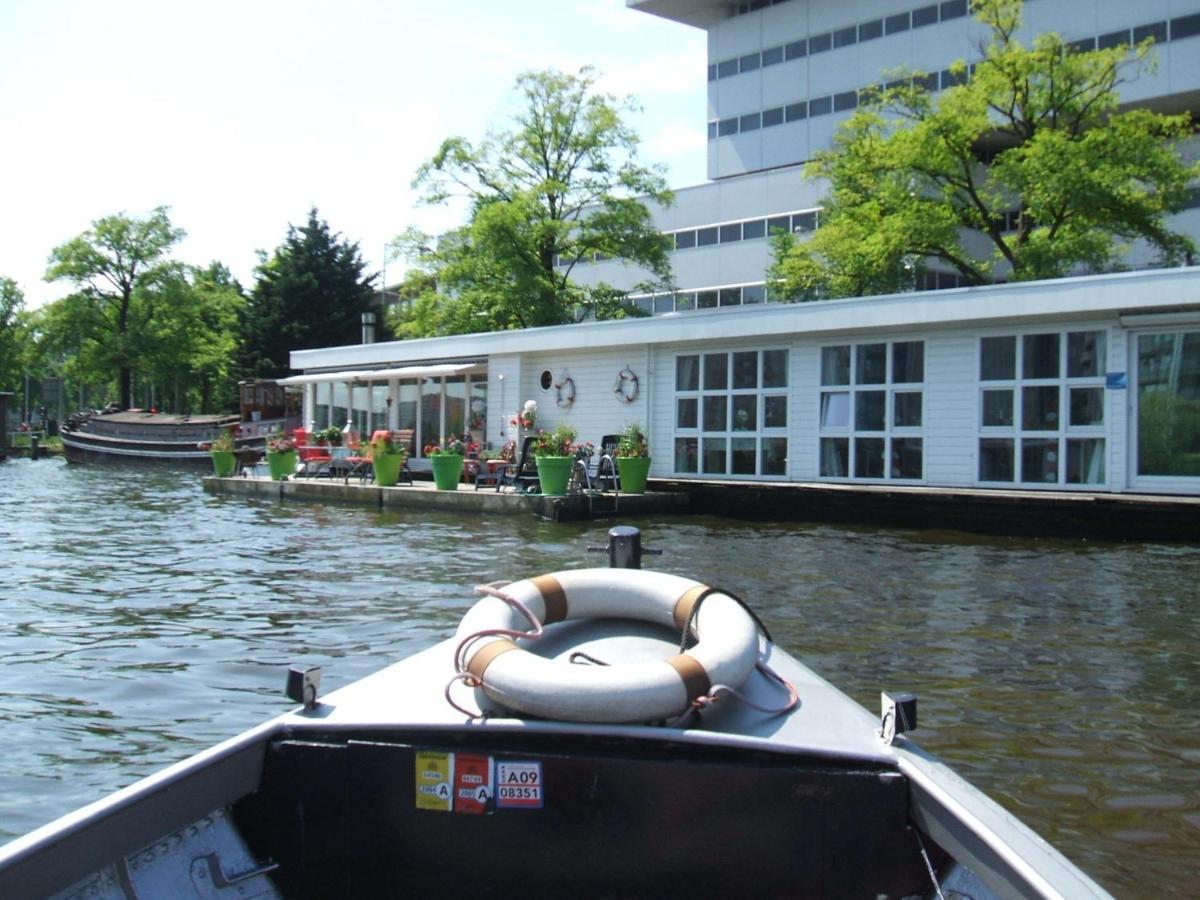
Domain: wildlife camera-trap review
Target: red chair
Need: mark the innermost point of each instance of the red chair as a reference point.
(314, 460)
(361, 465)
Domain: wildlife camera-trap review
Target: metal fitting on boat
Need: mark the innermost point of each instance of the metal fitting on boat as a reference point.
(897, 715)
(303, 683)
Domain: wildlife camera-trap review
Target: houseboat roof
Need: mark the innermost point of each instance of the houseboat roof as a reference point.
(1127, 294)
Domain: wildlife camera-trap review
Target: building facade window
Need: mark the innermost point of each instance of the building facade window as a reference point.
(872, 411)
(1042, 408)
(731, 413)
(1168, 405)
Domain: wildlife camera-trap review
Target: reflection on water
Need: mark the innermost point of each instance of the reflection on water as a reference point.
(142, 620)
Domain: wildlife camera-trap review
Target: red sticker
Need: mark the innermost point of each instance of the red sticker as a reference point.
(472, 784)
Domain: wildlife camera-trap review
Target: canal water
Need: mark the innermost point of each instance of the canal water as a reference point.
(142, 620)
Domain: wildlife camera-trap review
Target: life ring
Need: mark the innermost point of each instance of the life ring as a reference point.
(626, 385)
(564, 390)
(726, 653)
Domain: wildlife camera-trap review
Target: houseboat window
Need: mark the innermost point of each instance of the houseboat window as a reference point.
(687, 373)
(1039, 356)
(324, 400)
(871, 424)
(775, 365)
(431, 411)
(456, 405)
(407, 397)
(685, 412)
(1168, 404)
(997, 358)
(685, 455)
(360, 400)
(341, 403)
(477, 422)
(835, 365)
(716, 371)
(379, 408)
(1042, 408)
(731, 413)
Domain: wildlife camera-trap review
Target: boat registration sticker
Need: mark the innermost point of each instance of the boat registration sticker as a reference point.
(472, 784)
(519, 785)
(434, 772)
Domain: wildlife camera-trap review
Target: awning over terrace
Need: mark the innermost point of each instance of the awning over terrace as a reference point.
(365, 375)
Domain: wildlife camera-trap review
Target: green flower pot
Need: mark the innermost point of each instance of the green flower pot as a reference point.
(224, 463)
(554, 472)
(282, 465)
(632, 471)
(447, 471)
(387, 468)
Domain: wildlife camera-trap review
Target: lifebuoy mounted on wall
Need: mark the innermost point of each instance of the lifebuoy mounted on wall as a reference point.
(564, 390)
(626, 386)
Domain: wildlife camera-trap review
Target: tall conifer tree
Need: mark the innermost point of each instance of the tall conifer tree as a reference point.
(311, 292)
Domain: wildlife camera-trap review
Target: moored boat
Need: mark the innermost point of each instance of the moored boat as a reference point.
(145, 436)
(593, 732)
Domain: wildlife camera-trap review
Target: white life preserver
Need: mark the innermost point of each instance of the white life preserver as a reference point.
(564, 390)
(725, 654)
(626, 386)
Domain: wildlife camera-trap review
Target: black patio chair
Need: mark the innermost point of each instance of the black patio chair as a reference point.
(521, 475)
(605, 477)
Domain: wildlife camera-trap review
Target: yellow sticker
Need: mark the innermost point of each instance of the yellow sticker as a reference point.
(434, 772)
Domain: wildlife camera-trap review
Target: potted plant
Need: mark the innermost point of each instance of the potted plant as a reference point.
(281, 456)
(387, 458)
(526, 418)
(446, 460)
(331, 436)
(633, 459)
(222, 452)
(555, 455)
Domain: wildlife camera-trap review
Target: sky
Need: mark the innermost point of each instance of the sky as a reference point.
(241, 115)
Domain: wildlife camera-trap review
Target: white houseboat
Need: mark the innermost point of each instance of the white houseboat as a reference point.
(1082, 384)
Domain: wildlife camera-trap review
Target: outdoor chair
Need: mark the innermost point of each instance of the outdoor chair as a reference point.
(605, 477)
(492, 470)
(314, 461)
(359, 463)
(521, 475)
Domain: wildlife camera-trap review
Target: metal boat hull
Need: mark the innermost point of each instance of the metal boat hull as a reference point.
(154, 438)
(340, 801)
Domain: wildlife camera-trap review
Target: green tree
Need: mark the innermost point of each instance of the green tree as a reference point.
(12, 302)
(557, 187)
(310, 293)
(1025, 170)
(192, 356)
(118, 268)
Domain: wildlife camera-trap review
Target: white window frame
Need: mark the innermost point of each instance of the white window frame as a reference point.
(890, 431)
(761, 431)
(1065, 432)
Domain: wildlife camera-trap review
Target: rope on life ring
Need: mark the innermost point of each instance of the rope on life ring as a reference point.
(725, 654)
(626, 385)
(564, 390)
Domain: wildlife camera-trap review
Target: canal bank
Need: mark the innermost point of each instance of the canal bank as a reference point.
(423, 495)
(1008, 513)
(1079, 515)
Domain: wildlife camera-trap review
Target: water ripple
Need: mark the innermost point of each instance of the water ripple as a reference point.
(143, 620)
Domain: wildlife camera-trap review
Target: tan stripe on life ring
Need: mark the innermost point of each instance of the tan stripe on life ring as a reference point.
(695, 679)
(481, 660)
(553, 596)
(685, 604)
